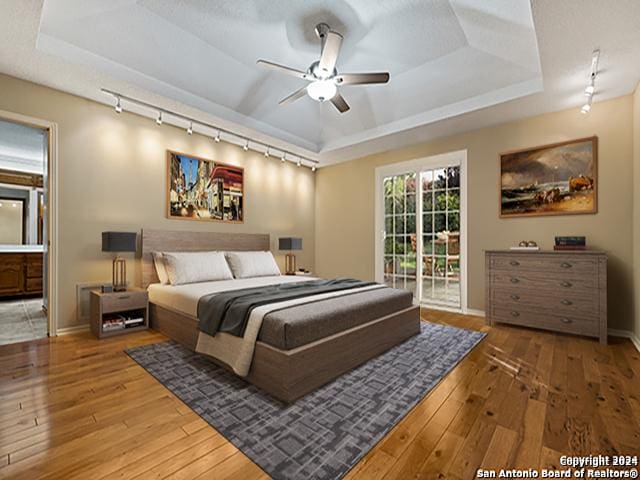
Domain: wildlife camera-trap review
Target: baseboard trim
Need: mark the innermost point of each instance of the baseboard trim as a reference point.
(473, 311)
(614, 332)
(74, 329)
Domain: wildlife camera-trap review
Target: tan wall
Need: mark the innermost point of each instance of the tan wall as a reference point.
(636, 206)
(345, 200)
(112, 176)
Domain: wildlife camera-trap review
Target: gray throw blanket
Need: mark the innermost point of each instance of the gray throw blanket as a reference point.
(229, 311)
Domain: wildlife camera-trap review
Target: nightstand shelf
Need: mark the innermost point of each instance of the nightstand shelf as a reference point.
(117, 307)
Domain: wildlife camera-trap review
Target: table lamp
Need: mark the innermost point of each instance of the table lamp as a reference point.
(290, 244)
(119, 242)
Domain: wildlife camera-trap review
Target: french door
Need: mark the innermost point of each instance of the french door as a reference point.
(420, 220)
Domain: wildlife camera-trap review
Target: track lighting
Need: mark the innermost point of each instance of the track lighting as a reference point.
(160, 114)
(590, 89)
(313, 168)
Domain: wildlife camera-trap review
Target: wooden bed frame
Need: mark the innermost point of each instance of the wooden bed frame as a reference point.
(285, 374)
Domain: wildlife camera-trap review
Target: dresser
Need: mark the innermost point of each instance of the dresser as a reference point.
(560, 291)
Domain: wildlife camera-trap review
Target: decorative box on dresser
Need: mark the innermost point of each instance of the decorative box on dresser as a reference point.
(563, 291)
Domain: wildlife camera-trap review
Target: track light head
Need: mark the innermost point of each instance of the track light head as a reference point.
(159, 119)
(266, 152)
(586, 108)
(246, 146)
(190, 129)
(217, 139)
(298, 163)
(118, 106)
(284, 157)
(313, 168)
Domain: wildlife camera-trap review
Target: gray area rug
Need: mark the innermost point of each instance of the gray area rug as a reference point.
(323, 435)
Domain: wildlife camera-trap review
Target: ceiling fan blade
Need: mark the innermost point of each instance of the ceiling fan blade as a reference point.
(281, 68)
(329, 55)
(340, 103)
(362, 78)
(294, 96)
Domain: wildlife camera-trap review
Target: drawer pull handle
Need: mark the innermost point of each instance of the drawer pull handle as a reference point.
(514, 263)
(515, 297)
(567, 302)
(567, 320)
(566, 265)
(123, 297)
(515, 314)
(566, 284)
(514, 280)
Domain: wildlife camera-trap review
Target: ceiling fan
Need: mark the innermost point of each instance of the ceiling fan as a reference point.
(323, 75)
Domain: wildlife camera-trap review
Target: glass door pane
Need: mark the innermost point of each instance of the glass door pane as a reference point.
(400, 244)
(441, 236)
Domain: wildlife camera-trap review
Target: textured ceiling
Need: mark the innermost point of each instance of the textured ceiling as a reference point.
(455, 65)
(444, 57)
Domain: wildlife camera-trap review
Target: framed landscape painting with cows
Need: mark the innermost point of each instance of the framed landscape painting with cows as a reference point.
(558, 179)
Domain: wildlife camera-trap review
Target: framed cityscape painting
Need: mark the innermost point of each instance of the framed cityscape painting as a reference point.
(201, 189)
(558, 179)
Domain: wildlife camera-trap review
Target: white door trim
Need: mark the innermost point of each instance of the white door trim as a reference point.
(52, 127)
(416, 165)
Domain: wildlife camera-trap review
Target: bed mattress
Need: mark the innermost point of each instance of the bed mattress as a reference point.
(298, 325)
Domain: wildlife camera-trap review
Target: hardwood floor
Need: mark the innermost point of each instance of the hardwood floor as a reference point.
(77, 407)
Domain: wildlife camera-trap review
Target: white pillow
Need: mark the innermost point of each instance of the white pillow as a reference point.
(252, 264)
(161, 269)
(192, 267)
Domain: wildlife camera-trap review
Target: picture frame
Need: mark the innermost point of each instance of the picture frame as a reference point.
(554, 179)
(201, 189)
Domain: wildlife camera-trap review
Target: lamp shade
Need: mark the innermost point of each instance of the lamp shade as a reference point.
(118, 241)
(290, 243)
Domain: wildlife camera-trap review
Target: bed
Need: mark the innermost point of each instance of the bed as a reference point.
(298, 348)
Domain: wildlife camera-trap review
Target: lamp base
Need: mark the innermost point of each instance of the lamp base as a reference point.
(119, 275)
(290, 264)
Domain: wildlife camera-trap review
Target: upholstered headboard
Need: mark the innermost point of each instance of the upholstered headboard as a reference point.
(173, 241)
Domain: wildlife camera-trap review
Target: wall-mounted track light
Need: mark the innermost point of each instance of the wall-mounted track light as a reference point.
(298, 163)
(161, 114)
(313, 168)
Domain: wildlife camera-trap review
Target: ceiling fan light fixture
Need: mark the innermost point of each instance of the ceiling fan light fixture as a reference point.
(322, 90)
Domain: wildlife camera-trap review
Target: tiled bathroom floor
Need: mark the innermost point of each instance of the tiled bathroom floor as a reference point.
(22, 320)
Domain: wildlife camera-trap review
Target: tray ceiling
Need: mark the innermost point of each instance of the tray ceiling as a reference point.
(455, 65)
(445, 58)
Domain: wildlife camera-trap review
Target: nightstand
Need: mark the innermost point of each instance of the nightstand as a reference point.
(117, 313)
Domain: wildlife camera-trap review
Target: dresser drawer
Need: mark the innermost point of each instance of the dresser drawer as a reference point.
(558, 302)
(560, 323)
(587, 265)
(119, 302)
(34, 284)
(564, 282)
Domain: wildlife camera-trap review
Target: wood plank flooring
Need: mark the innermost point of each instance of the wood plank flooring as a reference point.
(76, 407)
